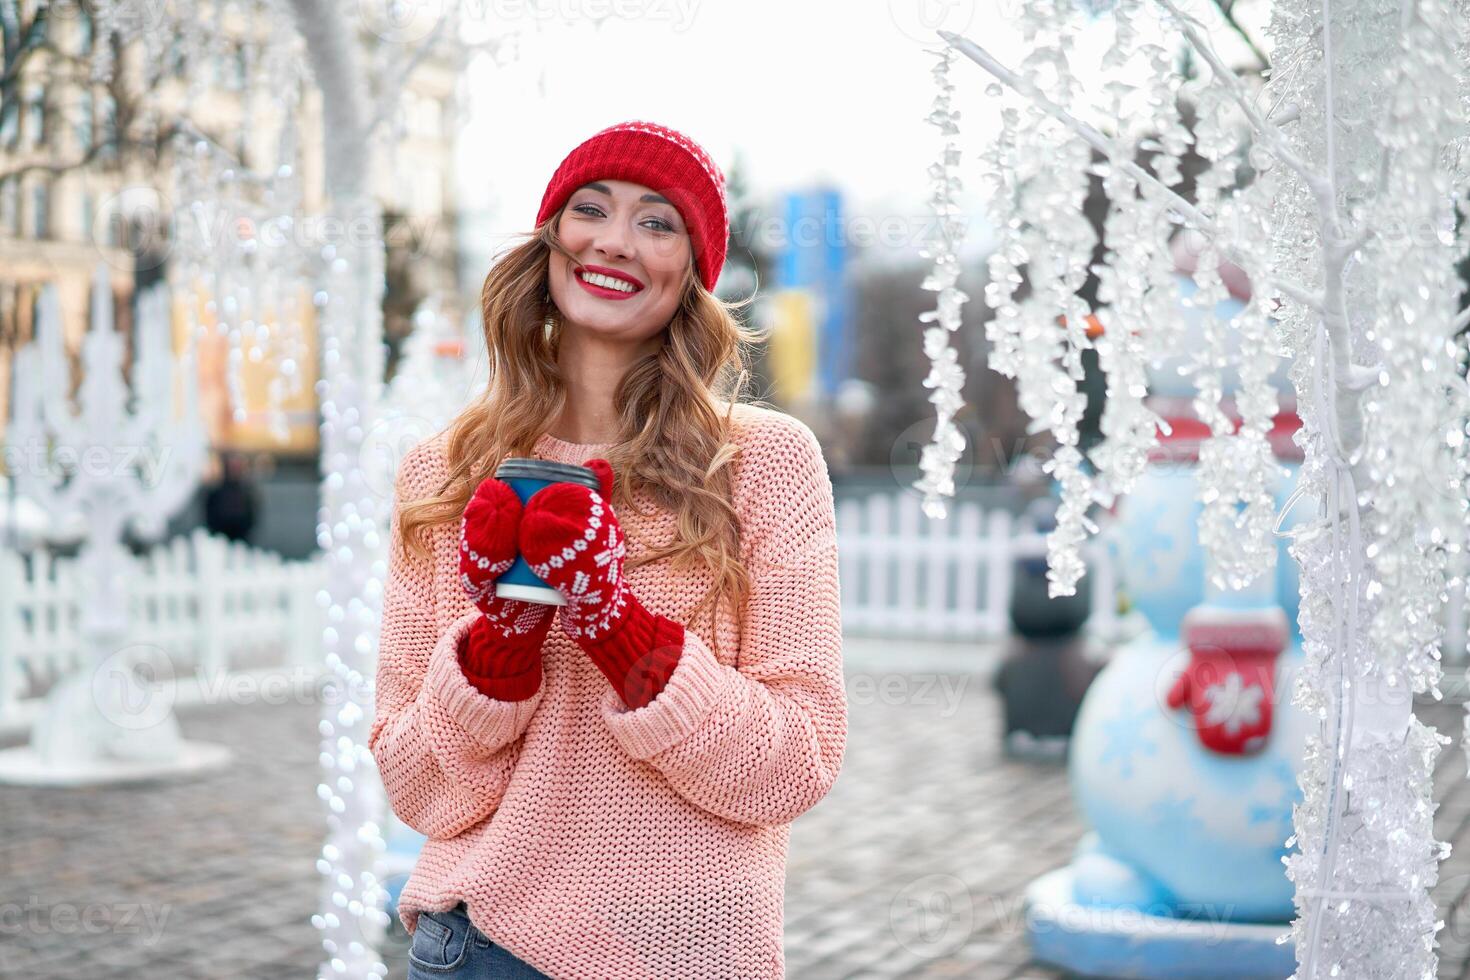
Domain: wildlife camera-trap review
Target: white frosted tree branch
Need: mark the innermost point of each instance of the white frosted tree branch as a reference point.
(331, 41)
(1103, 145)
(392, 88)
(1336, 248)
(1264, 128)
(1350, 377)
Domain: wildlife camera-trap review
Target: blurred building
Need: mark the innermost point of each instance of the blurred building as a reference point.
(67, 181)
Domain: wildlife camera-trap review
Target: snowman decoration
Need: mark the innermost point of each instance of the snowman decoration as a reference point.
(1186, 750)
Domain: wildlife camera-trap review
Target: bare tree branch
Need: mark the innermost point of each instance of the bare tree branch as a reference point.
(1227, 11)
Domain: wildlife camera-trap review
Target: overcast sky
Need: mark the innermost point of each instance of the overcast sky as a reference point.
(805, 91)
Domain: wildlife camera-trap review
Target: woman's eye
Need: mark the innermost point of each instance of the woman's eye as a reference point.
(592, 210)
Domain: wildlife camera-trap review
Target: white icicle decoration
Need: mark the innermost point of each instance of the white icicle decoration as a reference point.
(946, 376)
(1348, 235)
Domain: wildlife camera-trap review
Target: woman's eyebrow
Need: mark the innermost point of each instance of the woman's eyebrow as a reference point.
(646, 198)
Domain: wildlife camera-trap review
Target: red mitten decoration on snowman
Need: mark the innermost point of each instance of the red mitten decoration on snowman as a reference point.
(1229, 683)
(571, 538)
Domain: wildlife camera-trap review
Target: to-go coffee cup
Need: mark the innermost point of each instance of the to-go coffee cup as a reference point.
(526, 477)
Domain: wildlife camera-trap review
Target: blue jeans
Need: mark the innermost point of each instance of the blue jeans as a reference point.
(447, 945)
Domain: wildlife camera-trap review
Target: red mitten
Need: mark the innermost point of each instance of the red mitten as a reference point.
(502, 657)
(1230, 679)
(571, 539)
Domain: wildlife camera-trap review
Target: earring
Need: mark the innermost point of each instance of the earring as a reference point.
(548, 327)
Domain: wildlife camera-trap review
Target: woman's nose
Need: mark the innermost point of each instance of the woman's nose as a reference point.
(612, 241)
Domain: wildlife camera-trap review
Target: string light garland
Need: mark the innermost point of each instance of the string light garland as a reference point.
(353, 516)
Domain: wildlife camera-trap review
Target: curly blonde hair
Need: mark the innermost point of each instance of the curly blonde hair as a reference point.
(673, 440)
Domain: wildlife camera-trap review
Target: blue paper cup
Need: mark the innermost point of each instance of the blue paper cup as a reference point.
(526, 477)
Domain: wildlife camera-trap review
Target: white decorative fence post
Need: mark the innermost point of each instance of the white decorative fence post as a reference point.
(92, 729)
(12, 576)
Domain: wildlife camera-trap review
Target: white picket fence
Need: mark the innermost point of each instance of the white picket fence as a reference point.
(214, 606)
(906, 575)
(210, 605)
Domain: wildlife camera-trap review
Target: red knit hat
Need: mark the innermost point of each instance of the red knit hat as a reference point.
(665, 160)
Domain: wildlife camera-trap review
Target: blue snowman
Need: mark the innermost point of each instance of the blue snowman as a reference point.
(1178, 825)
(1186, 771)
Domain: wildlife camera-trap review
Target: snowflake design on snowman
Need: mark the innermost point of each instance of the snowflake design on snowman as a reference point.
(1233, 703)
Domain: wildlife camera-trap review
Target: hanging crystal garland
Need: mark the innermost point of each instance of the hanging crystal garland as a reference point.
(1126, 427)
(946, 376)
(1349, 227)
(1137, 301)
(1237, 466)
(1040, 177)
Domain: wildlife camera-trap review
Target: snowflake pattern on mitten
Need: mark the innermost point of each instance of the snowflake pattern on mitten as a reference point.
(572, 540)
(487, 549)
(588, 568)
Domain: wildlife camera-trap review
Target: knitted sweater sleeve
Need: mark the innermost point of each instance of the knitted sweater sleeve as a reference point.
(761, 743)
(444, 750)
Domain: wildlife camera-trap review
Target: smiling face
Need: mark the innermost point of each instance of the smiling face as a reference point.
(633, 252)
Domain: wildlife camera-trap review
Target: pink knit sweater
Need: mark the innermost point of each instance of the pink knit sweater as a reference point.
(598, 843)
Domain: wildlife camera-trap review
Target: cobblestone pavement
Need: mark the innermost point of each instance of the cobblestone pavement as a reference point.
(912, 867)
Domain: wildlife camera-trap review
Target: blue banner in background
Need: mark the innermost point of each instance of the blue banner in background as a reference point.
(813, 260)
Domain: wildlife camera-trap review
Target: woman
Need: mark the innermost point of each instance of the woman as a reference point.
(610, 795)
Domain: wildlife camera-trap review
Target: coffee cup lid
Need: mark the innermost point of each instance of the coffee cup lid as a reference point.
(547, 469)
